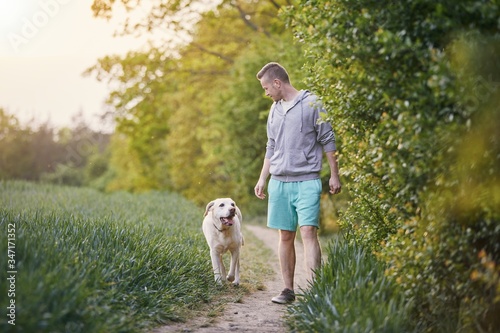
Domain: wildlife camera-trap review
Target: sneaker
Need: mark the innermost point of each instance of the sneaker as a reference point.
(286, 296)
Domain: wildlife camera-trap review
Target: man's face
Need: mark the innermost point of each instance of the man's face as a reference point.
(272, 88)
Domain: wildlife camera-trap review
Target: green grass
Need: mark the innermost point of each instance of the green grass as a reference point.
(91, 262)
(350, 294)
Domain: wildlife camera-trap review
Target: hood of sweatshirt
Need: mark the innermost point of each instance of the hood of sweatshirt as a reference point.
(299, 99)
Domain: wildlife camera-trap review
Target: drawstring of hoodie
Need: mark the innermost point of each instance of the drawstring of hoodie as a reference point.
(302, 114)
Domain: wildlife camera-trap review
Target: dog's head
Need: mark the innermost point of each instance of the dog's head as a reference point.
(223, 209)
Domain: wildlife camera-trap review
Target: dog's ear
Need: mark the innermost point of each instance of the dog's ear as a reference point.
(209, 207)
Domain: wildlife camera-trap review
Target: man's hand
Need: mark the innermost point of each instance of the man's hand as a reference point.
(335, 186)
(259, 189)
(261, 184)
(334, 182)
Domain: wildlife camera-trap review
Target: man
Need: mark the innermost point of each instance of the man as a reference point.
(294, 151)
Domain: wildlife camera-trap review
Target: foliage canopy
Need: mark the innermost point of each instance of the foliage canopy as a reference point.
(190, 119)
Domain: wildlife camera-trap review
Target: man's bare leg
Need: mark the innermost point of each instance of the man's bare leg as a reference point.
(312, 249)
(287, 257)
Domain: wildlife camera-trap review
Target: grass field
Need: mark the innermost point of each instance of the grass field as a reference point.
(92, 262)
(84, 261)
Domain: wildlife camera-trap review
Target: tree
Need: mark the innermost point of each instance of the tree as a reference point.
(141, 107)
(15, 155)
(26, 153)
(182, 93)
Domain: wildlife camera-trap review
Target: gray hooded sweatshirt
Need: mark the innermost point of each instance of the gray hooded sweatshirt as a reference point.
(296, 140)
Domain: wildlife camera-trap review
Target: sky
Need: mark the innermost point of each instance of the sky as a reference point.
(45, 46)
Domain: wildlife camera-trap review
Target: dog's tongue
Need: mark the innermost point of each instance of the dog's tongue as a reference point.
(227, 221)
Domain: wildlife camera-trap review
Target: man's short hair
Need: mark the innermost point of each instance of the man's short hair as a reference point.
(272, 71)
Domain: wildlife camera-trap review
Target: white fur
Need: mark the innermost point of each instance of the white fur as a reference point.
(221, 237)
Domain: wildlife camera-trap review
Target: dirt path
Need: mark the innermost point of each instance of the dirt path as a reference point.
(255, 312)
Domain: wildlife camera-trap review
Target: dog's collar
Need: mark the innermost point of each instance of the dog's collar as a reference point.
(220, 230)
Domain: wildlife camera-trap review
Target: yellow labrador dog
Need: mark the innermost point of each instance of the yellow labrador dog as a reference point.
(222, 229)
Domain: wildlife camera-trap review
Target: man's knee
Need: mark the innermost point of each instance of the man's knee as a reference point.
(308, 232)
(287, 236)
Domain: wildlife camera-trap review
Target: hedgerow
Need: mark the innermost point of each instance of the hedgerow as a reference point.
(410, 90)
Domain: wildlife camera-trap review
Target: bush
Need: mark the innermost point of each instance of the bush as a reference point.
(64, 175)
(417, 120)
(448, 258)
(383, 72)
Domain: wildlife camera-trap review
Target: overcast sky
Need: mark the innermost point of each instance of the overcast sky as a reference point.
(45, 45)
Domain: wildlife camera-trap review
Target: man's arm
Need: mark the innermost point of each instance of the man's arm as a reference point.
(334, 182)
(261, 184)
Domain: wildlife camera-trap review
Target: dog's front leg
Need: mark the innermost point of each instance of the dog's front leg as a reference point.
(222, 268)
(234, 268)
(218, 266)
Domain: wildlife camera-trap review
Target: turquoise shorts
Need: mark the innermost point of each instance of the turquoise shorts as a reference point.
(293, 203)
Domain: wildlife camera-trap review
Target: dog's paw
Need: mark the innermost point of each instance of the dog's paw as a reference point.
(219, 280)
